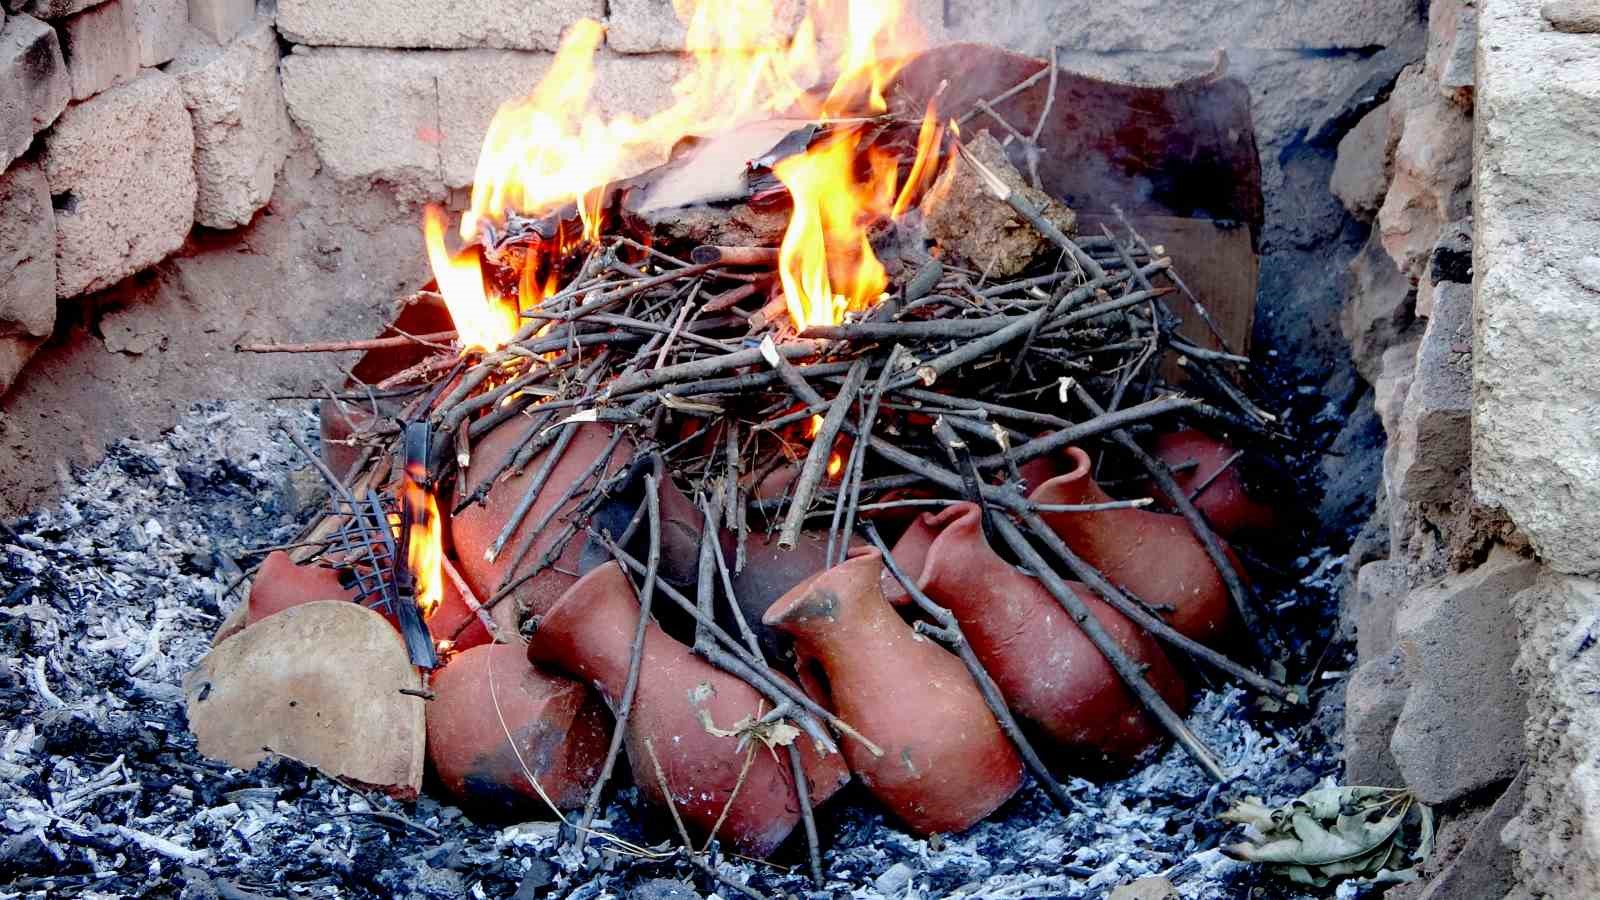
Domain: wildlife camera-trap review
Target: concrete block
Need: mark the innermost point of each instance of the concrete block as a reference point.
(222, 19)
(241, 127)
(1373, 698)
(101, 48)
(34, 87)
(50, 9)
(653, 26)
(27, 266)
(1460, 730)
(332, 94)
(160, 25)
(1536, 377)
(505, 24)
(124, 204)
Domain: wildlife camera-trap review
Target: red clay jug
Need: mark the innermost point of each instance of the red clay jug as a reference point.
(1154, 555)
(770, 572)
(280, 584)
(1227, 505)
(945, 764)
(475, 528)
(588, 633)
(1046, 667)
(488, 730)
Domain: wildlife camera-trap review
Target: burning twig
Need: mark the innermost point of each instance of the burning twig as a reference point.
(821, 450)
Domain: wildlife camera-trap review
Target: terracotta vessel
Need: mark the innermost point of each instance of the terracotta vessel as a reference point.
(475, 528)
(945, 764)
(558, 728)
(769, 573)
(588, 633)
(280, 584)
(1226, 504)
(1046, 667)
(1154, 555)
(457, 623)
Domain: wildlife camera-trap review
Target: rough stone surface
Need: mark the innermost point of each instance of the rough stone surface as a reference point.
(1452, 40)
(1536, 452)
(1450, 262)
(652, 26)
(34, 87)
(1484, 866)
(273, 687)
(1380, 585)
(101, 47)
(1379, 311)
(1432, 178)
(27, 267)
(1433, 438)
(1373, 698)
(508, 24)
(125, 204)
(1361, 170)
(160, 25)
(1556, 833)
(50, 9)
(965, 219)
(1458, 640)
(1033, 25)
(1572, 16)
(241, 128)
(222, 19)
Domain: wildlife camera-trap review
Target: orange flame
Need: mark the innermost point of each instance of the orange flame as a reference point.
(425, 545)
(484, 320)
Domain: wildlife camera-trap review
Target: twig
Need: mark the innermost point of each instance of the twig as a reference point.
(387, 343)
(817, 458)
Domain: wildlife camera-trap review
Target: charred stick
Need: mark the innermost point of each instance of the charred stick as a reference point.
(1227, 389)
(802, 792)
(1194, 352)
(701, 368)
(961, 460)
(607, 299)
(1100, 424)
(1131, 673)
(388, 343)
(817, 458)
(731, 298)
(786, 370)
(924, 281)
(711, 255)
(996, 409)
(1159, 473)
(631, 685)
(1007, 94)
(953, 635)
(677, 325)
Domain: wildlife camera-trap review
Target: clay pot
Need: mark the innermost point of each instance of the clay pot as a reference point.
(558, 728)
(1226, 504)
(280, 584)
(769, 573)
(1048, 670)
(455, 622)
(945, 764)
(475, 528)
(1154, 555)
(588, 633)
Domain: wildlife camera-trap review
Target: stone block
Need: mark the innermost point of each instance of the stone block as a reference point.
(1460, 730)
(160, 25)
(1380, 585)
(653, 26)
(101, 48)
(27, 267)
(34, 87)
(1483, 867)
(1433, 438)
(1556, 833)
(1034, 25)
(1361, 170)
(444, 24)
(222, 19)
(1536, 377)
(1572, 16)
(50, 9)
(1452, 40)
(1432, 180)
(1379, 311)
(332, 93)
(1373, 698)
(125, 204)
(241, 127)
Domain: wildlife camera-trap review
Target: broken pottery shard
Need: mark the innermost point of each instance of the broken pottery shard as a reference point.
(966, 219)
(278, 687)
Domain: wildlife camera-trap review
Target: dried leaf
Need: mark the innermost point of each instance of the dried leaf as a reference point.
(1333, 833)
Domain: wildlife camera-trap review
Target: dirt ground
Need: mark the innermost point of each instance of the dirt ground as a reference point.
(320, 262)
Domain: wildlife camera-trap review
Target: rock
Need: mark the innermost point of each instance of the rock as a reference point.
(967, 220)
(1152, 888)
(160, 25)
(241, 127)
(275, 687)
(124, 204)
(1373, 698)
(1458, 640)
(34, 87)
(509, 24)
(1452, 40)
(1378, 312)
(1361, 170)
(1573, 16)
(1537, 214)
(101, 48)
(15, 351)
(1368, 86)
(27, 253)
(1379, 587)
(893, 881)
(1395, 371)
(1555, 836)
(559, 730)
(652, 26)
(1432, 179)
(221, 19)
(1450, 261)
(50, 9)
(1484, 866)
(1432, 441)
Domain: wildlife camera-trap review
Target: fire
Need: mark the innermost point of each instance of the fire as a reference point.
(424, 542)
(553, 147)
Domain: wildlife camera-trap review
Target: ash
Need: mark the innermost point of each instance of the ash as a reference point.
(111, 596)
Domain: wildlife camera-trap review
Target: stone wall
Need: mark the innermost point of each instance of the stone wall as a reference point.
(1472, 312)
